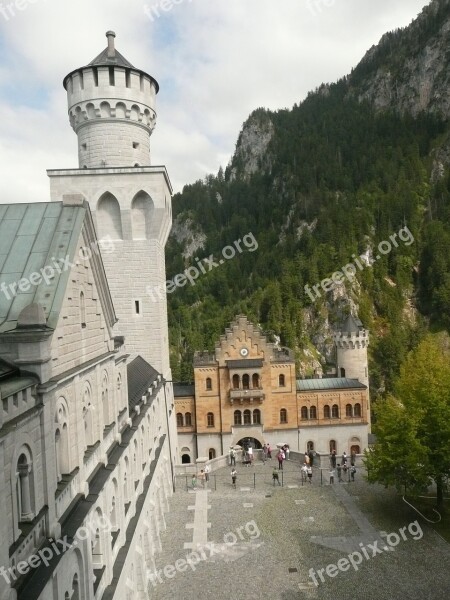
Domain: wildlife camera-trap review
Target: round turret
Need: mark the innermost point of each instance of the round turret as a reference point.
(112, 110)
(352, 341)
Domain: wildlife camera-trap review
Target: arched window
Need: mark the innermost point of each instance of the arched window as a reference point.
(237, 417)
(304, 412)
(109, 219)
(88, 419)
(97, 547)
(357, 410)
(82, 310)
(209, 383)
(281, 380)
(188, 419)
(211, 453)
(310, 446)
(25, 486)
(210, 419)
(257, 416)
(313, 412)
(185, 459)
(179, 420)
(236, 382)
(326, 412)
(126, 475)
(113, 512)
(283, 416)
(62, 439)
(348, 410)
(247, 417)
(246, 381)
(333, 446)
(335, 411)
(75, 588)
(141, 216)
(255, 380)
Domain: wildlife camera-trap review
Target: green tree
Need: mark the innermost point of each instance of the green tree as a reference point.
(413, 426)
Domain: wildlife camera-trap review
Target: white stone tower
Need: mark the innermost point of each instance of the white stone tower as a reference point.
(351, 351)
(112, 111)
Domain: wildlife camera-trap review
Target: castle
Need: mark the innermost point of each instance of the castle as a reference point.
(87, 424)
(248, 390)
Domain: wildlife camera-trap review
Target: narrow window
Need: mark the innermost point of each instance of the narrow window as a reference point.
(237, 417)
(326, 412)
(95, 74)
(137, 307)
(128, 78)
(188, 419)
(179, 420)
(210, 419)
(135, 145)
(313, 412)
(208, 383)
(335, 411)
(304, 413)
(82, 310)
(281, 381)
(283, 416)
(112, 80)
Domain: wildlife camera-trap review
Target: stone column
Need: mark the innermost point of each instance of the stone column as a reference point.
(25, 496)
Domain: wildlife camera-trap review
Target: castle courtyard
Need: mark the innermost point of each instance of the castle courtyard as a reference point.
(261, 541)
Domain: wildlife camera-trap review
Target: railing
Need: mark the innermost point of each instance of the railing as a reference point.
(67, 493)
(33, 536)
(250, 394)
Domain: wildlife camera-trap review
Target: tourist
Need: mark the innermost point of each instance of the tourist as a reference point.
(304, 472)
(307, 459)
(207, 471)
(331, 476)
(311, 457)
(333, 459)
(194, 481)
(275, 476)
(280, 458)
(233, 477)
(232, 456)
(269, 452)
(353, 472)
(339, 472)
(202, 478)
(250, 455)
(287, 451)
(344, 458)
(309, 473)
(353, 458)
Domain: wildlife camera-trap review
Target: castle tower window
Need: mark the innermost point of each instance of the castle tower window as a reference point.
(109, 219)
(255, 380)
(313, 412)
(188, 419)
(247, 417)
(348, 411)
(211, 453)
(179, 420)
(210, 419)
(24, 486)
(326, 412)
(333, 446)
(246, 381)
(283, 416)
(335, 411)
(304, 413)
(141, 216)
(237, 417)
(357, 410)
(208, 383)
(281, 380)
(236, 382)
(82, 310)
(112, 77)
(257, 416)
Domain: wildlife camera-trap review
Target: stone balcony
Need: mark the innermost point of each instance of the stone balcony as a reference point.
(239, 396)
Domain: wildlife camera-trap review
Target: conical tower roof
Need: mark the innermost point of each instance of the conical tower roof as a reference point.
(351, 325)
(110, 56)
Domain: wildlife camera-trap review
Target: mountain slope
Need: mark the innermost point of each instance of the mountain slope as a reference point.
(316, 186)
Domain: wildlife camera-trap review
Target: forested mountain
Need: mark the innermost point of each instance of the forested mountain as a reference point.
(318, 186)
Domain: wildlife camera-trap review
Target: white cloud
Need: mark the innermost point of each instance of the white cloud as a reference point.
(216, 61)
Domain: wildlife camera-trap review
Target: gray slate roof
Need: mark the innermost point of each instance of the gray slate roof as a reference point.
(141, 376)
(249, 363)
(34, 236)
(180, 390)
(329, 383)
(117, 60)
(351, 325)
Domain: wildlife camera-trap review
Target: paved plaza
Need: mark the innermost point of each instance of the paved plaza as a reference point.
(260, 541)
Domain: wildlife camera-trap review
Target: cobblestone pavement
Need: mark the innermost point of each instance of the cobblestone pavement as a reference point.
(267, 539)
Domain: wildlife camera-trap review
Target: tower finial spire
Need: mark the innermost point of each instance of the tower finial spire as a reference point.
(111, 48)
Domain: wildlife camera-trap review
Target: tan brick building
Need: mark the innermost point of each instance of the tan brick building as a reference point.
(248, 389)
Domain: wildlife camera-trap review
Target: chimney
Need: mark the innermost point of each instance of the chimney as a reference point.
(111, 49)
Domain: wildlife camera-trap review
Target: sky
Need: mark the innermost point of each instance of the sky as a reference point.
(215, 60)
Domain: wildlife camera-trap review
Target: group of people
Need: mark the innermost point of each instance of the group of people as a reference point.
(203, 477)
(342, 467)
